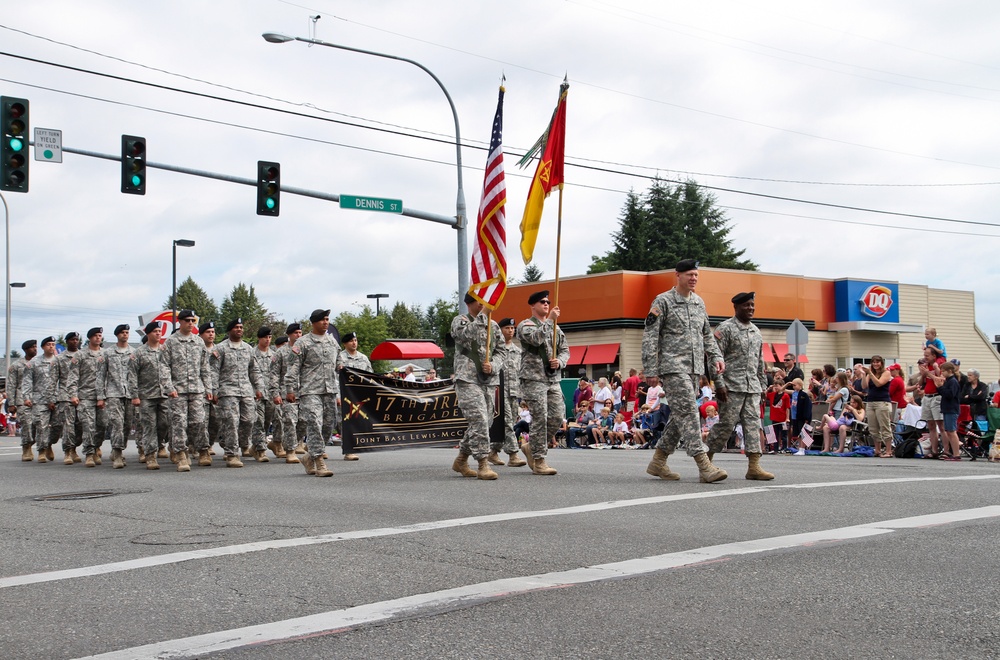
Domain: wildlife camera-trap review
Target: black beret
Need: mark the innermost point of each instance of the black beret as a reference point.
(293, 327)
(94, 331)
(72, 335)
(122, 328)
(152, 326)
(684, 265)
(48, 339)
(283, 339)
(536, 296)
(263, 331)
(469, 299)
(29, 344)
(207, 325)
(741, 298)
(318, 315)
(232, 324)
(349, 336)
(144, 339)
(506, 322)
(186, 314)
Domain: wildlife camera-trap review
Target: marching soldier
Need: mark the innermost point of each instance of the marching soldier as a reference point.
(264, 407)
(510, 356)
(15, 397)
(276, 445)
(312, 381)
(190, 385)
(90, 395)
(676, 342)
(65, 376)
(477, 347)
(207, 333)
(119, 391)
(540, 376)
(40, 398)
(294, 430)
(239, 385)
(740, 388)
(355, 359)
(149, 380)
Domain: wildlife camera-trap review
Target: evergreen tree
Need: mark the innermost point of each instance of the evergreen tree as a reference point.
(242, 302)
(437, 324)
(404, 322)
(532, 273)
(191, 296)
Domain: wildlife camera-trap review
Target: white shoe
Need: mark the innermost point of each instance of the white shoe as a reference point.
(801, 452)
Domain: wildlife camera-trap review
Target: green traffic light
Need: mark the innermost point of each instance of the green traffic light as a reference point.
(270, 202)
(16, 144)
(136, 180)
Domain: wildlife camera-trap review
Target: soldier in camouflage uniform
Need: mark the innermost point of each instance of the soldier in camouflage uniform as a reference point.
(676, 343)
(207, 333)
(293, 430)
(312, 381)
(90, 392)
(264, 408)
(65, 377)
(477, 374)
(190, 385)
(740, 388)
(40, 399)
(240, 386)
(119, 391)
(510, 357)
(540, 377)
(355, 359)
(149, 381)
(276, 444)
(15, 397)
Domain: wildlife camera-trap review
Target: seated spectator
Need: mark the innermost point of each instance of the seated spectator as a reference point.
(930, 334)
(711, 419)
(853, 412)
(601, 425)
(581, 427)
(974, 395)
(619, 434)
(642, 426)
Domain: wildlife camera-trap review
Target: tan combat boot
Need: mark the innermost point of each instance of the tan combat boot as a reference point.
(485, 472)
(351, 457)
(42, 456)
(321, 469)
(260, 456)
(708, 472)
(273, 446)
(75, 455)
(308, 463)
(151, 463)
(26, 454)
(461, 465)
(49, 454)
(754, 471)
(117, 460)
(162, 453)
(539, 466)
(658, 467)
(233, 461)
(68, 457)
(529, 459)
(142, 456)
(183, 464)
(290, 457)
(494, 458)
(204, 458)
(300, 448)
(173, 457)
(97, 456)
(516, 460)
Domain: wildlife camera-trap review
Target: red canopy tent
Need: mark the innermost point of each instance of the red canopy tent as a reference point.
(406, 349)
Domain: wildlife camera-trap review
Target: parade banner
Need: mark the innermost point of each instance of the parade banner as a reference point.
(380, 412)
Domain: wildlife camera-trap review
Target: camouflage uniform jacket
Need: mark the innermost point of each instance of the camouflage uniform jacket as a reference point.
(279, 367)
(678, 337)
(357, 361)
(187, 364)
(536, 346)
(90, 383)
(236, 369)
(511, 355)
(741, 348)
(15, 381)
(213, 373)
(37, 385)
(312, 366)
(149, 375)
(470, 349)
(263, 360)
(65, 376)
(117, 372)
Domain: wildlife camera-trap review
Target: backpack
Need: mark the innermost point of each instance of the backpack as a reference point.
(907, 448)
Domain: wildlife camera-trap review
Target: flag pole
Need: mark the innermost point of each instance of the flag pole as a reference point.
(489, 333)
(555, 298)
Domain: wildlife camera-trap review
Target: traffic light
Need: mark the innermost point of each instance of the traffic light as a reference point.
(14, 151)
(268, 187)
(133, 165)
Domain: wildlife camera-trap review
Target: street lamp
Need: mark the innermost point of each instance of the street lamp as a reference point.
(460, 218)
(12, 285)
(376, 296)
(183, 242)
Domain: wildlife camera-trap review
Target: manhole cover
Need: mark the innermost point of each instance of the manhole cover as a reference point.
(86, 495)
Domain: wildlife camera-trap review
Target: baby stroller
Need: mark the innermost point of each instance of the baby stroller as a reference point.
(970, 435)
(908, 440)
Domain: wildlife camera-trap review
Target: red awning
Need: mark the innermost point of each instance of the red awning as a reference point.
(576, 355)
(803, 359)
(406, 349)
(765, 350)
(601, 354)
(779, 351)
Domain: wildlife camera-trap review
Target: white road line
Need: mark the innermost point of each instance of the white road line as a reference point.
(345, 619)
(244, 548)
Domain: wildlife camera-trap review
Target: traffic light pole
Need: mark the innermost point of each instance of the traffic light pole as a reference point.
(449, 220)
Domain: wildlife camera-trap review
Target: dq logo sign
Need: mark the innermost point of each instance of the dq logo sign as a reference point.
(876, 301)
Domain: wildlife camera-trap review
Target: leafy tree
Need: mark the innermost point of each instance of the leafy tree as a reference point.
(371, 331)
(242, 302)
(532, 273)
(667, 224)
(437, 324)
(191, 296)
(14, 354)
(403, 322)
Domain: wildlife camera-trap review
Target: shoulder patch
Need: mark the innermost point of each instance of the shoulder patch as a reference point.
(215, 354)
(296, 350)
(653, 315)
(717, 333)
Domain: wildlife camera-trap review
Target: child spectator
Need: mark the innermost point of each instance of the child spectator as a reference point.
(930, 334)
(601, 425)
(778, 401)
(947, 387)
(711, 419)
(619, 433)
(642, 426)
(523, 420)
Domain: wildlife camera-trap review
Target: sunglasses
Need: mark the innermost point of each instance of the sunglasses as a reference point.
(545, 302)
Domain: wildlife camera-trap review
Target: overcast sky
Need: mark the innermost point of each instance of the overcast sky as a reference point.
(890, 106)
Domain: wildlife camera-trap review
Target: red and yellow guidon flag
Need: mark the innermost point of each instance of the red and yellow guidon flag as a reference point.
(548, 174)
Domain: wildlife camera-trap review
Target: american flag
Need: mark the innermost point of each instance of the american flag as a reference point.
(489, 258)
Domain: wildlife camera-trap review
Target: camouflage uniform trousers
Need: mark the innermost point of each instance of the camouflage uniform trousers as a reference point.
(187, 421)
(547, 407)
(154, 424)
(119, 414)
(72, 429)
(510, 410)
(211, 432)
(236, 418)
(318, 413)
(679, 391)
(265, 415)
(278, 423)
(740, 408)
(294, 425)
(476, 403)
(28, 417)
(48, 425)
(93, 425)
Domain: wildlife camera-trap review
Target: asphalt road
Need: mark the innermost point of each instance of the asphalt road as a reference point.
(397, 556)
